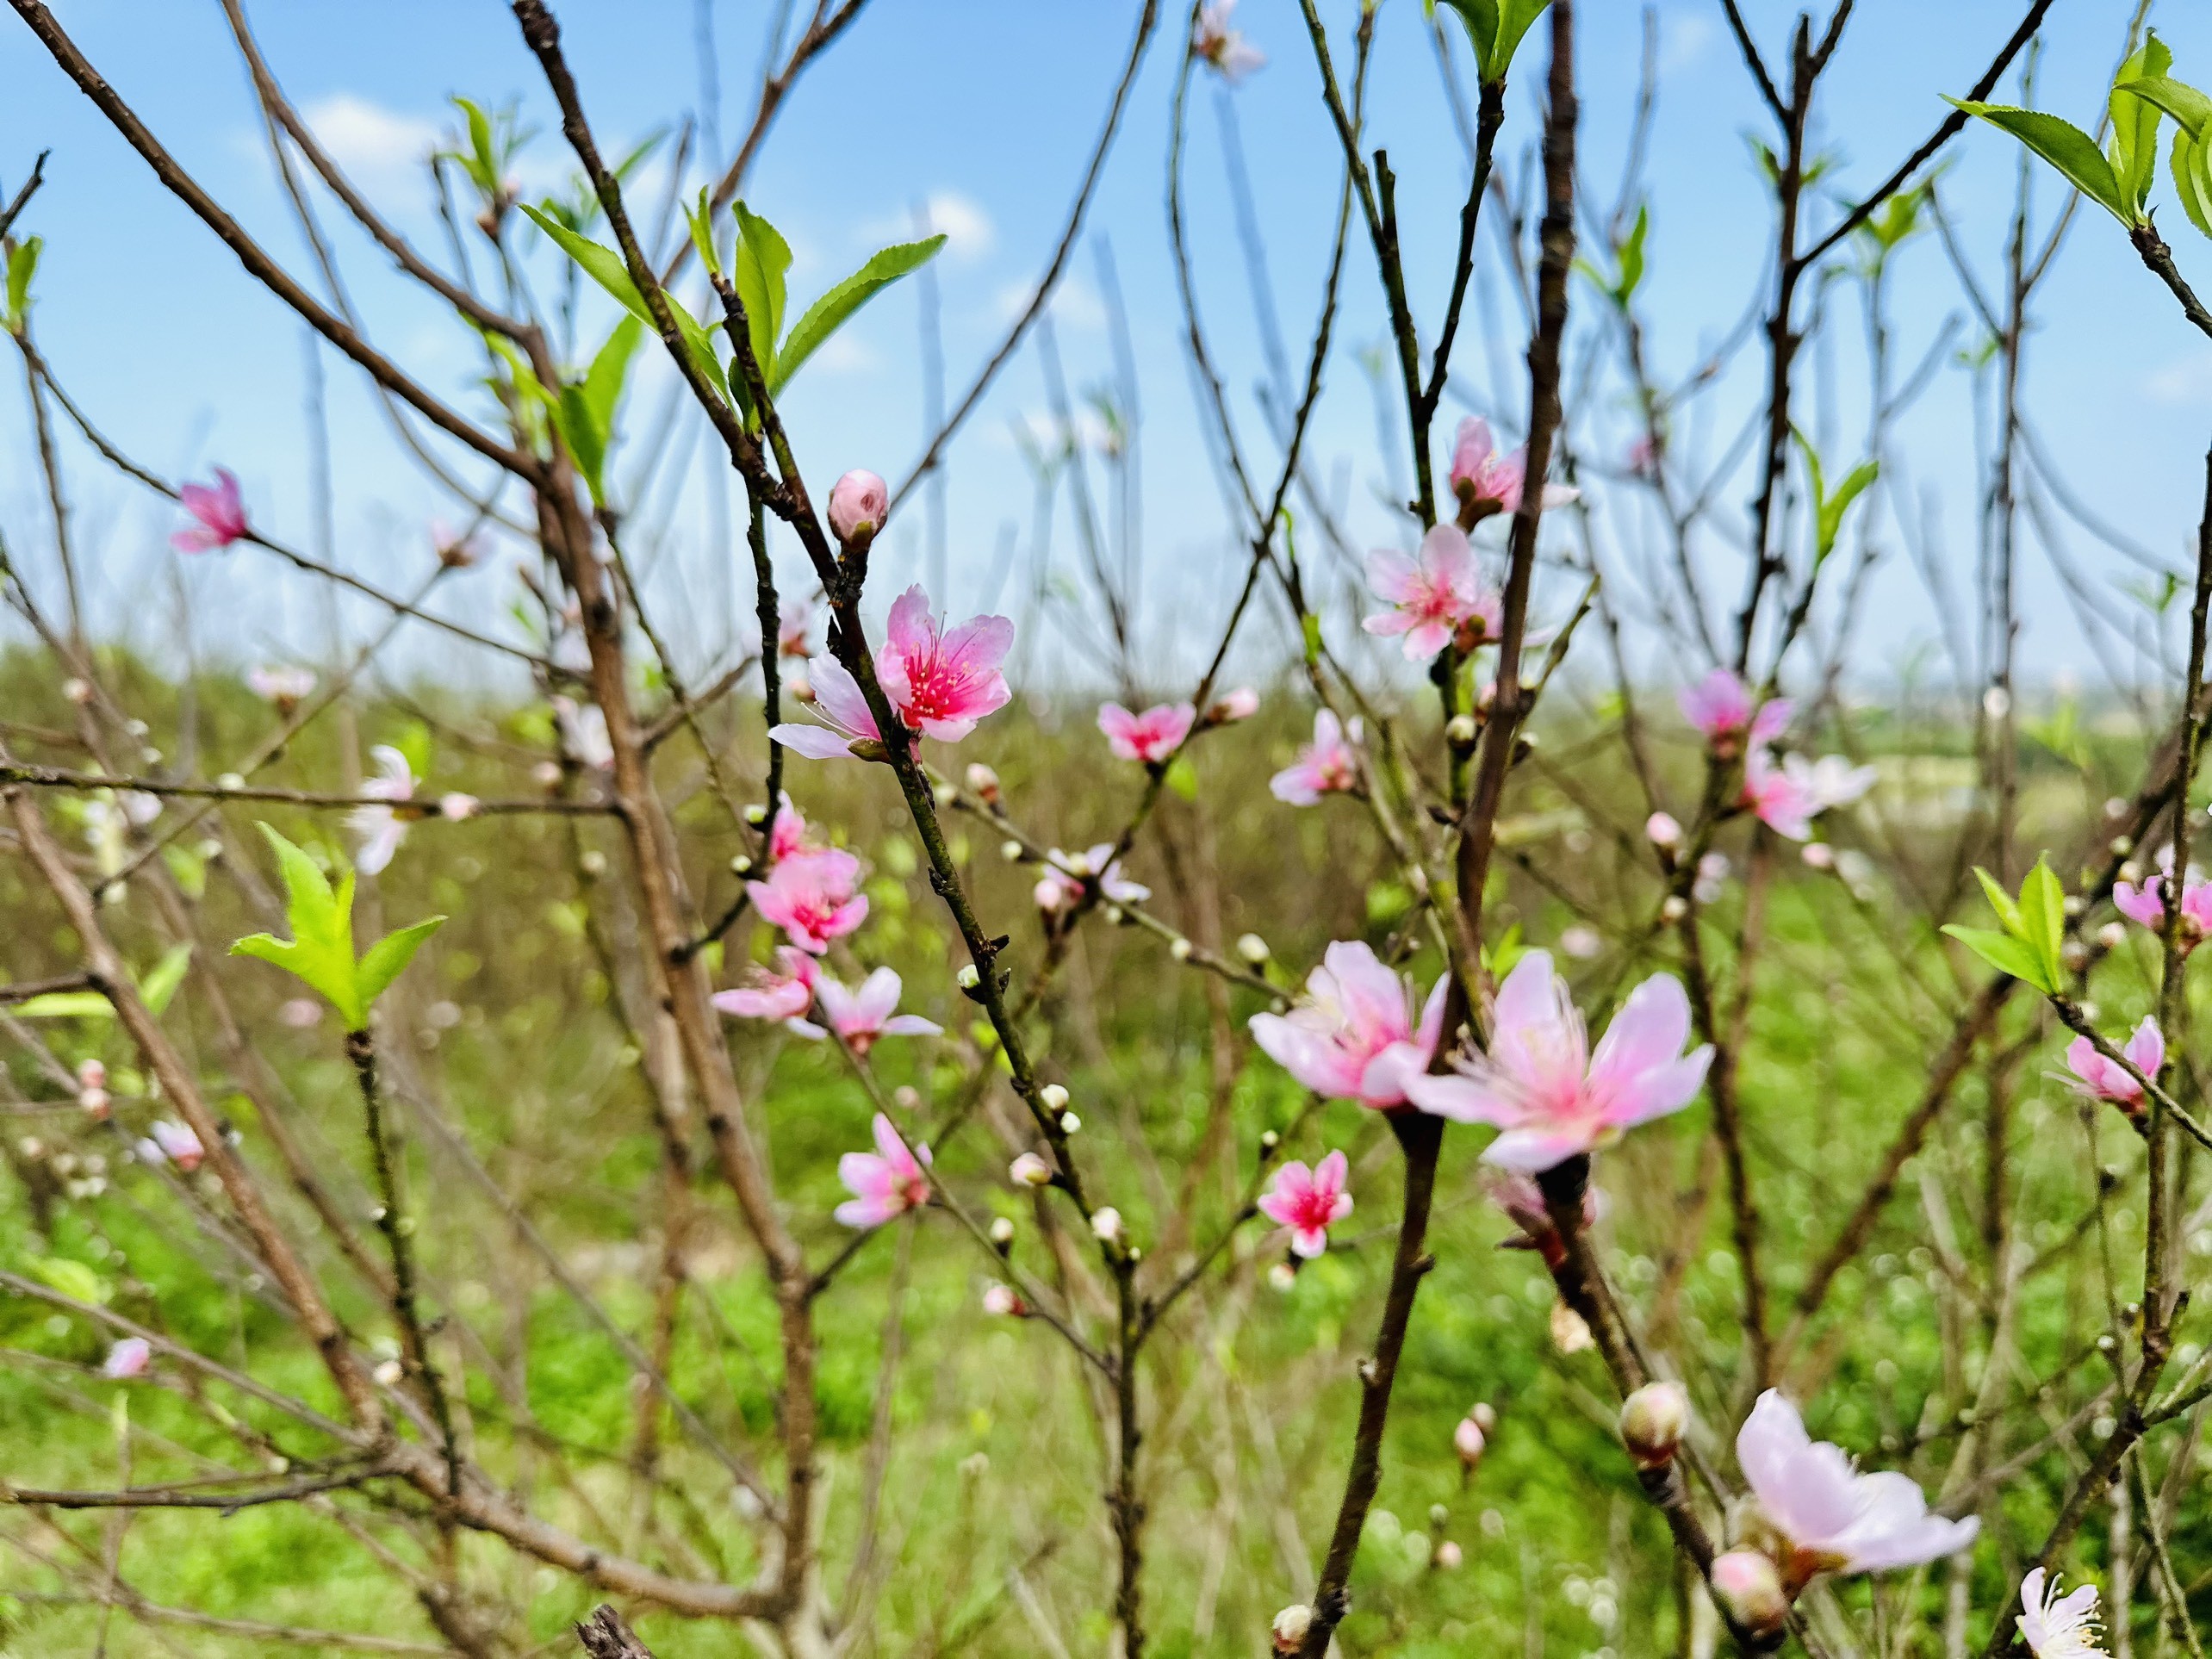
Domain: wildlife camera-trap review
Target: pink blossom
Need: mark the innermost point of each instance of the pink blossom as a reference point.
(2056, 1626)
(1308, 1202)
(1433, 595)
(172, 1143)
(219, 513)
(300, 1013)
(769, 995)
(942, 685)
(1223, 49)
(583, 734)
(847, 718)
(1151, 736)
(858, 504)
(2100, 1078)
(1326, 766)
(1540, 1084)
(1746, 1584)
(2146, 903)
(1522, 1200)
(812, 897)
(787, 833)
(884, 1183)
(381, 828)
(863, 1016)
(1357, 1034)
(131, 1356)
(790, 631)
(284, 687)
(1642, 457)
(456, 549)
(1663, 830)
(1067, 877)
(458, 807)
(1830, 1517)
(1787, 798)
(1724, 709)
(1486, 481)
(1240, 704)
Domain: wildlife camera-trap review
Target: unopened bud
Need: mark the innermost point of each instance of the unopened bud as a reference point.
(79, 691)
(968, 977)
(984, 781)
(906, 1096)
(1253, 949)
(1106, 1225)
(1485, 1416)
(858, 503)
(1240, 704)
(741, 865)
(1459, 732)
(1662, 829)
(1003, 1302)
(756, 815)
(1469, 1441)
(1570, 1334)
(1002, 1232)
(1818, 855)
(1290, 1627)
(1180, 950)
(1010, 851)
(230, 781)
(1750, 1591)
(944, 794)
(594, 863)
(1269, 1141)
(1054, 1098)
(1030, 1170)
(1449, 1557)
(1651, 1423)
(1069, 1123)
(1282, 1276)
(389, 1374)
(1674, 909)
(2112, 934)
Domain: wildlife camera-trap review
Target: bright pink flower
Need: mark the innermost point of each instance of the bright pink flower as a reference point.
(837, 697)
(381, 828)
(1487, 481)
(1308, 1203)
(1833, 1518)
(1721, 706)
(884, 1183)
(787, 834)
(172, 1143)
(862, 1016)
(812, 897)
(858, 504)
(2102, 1079)
(768, 995)
(2056, 1626)
(1433, 595)
(1067, 877)
(942, 685)
(131, 1356)
(1223, 49)
(219, 512)
(1151, 736)
(1540, 1084)
(1357, 1033)
(1326, 766)
(2147, 905)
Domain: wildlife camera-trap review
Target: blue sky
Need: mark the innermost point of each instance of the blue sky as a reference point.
(984, 110)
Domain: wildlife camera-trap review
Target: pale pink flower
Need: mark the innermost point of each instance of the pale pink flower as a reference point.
(1787, 796)
(1540, 1084)
(1003, 1302)
(862, 1016)
(2056, 1626)
(1724, 709)
(1357, 1034)
(1663, 829)
(1151, 736)
(172, 1143)
(1747, 1584)
(1326, 766)
(381, 828)
(1433, 595)
(131, 1356)
(858, 504)
(458, 807)
(813, 897)
(790, 631)
(769, 995)
(218, 512)
(884, 1183)
(1486, 481)
(2100, 1078)
(1067, 877)
(1641, 456)
(1240, 704)
(1469, 1440)
(942, 685)
(1522, 1200)
(1308, 1202)
(1832, 1518)
(2147, 905)
(1221, 48)
(847, 719)
(583, 734)
(300, 1013)
(284, 687)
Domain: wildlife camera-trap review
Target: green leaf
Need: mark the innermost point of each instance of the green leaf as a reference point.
(159, 987)
(830, 313)
(65, 1005)
(2066, 147)
(72, 1278)
(2192, 179)
(386, 960)
(1631, 257)
(23, 261)
(2003, 952)
(604, 267)
(319, 953)
(1999, 900)
(2043, 920)
(1182, 778)
(1494, 29)
(2177, 98)
(758, 264)
(1830, 522)
(701, 222)
(2135, 122)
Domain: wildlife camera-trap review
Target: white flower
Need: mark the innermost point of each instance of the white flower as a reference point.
(380, 827)
(2056, 1626)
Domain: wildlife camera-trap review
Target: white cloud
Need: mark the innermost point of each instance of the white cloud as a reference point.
(380, 148)
(1683, 38)
(2185, 380)
(845, 353)
(1075, 303)
(969, 233)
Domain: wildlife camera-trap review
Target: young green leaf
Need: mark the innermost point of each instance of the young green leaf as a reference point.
(2192, 178)
(700, 221)
(1828, 509)
(2177, 98)
(159, 987)
(758, 266)
(386, 960)
(321, 950)
(2136, 122)
(1999, 900)
(1631, 257)
(23, 261)
(1494, 29)
(831, 311)
(2043, 920)
(2068, 148)
(65, 1005)
(2003, 952)
(604, 267)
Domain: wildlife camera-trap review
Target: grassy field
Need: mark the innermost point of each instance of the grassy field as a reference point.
(992, 1537)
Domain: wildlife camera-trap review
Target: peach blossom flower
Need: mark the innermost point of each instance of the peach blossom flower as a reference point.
(218, 513)
(1068, 876)
(768, 995)
(812, 896)
(2100, 1078)
(2056, 1626)
(1488, 482)
(1222, 49)
(1357, 1034)
(131, 1356)
(1721, 708)
(1433, 595)
(172, 1143)
(1324, 767)
(1151, 736)
(381, 828)
(884, 1183)
(1308, 1202)
(862, 1016)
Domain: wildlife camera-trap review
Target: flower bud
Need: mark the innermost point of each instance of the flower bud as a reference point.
(1180, 949)
(1069, 1123)
(1002, 1232)
(1459, 732)
(1010, 851)
(1651, 1423)
(91, 1074)
(968, 977)
(1449, 1557)
(858, 504)
(1290, 1627)
(906, 1096)
(2112, 934)
(944, 794)
(1269, 1141)
(79, 691)
(1485, 1416)
(1674, 909)
(457, 807)
(1106, 1225)
(1004, 1303)
(1469, 1441)
(1054, 1098)
(1240, 704)
(1282, 1276)
(742, 865)
(1750, 1591)
(1253, 949)
(1818, 855)
(983, 782)
(1662, 829)
(1030, 1170)
(1569, 1333)
(389, 1374)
